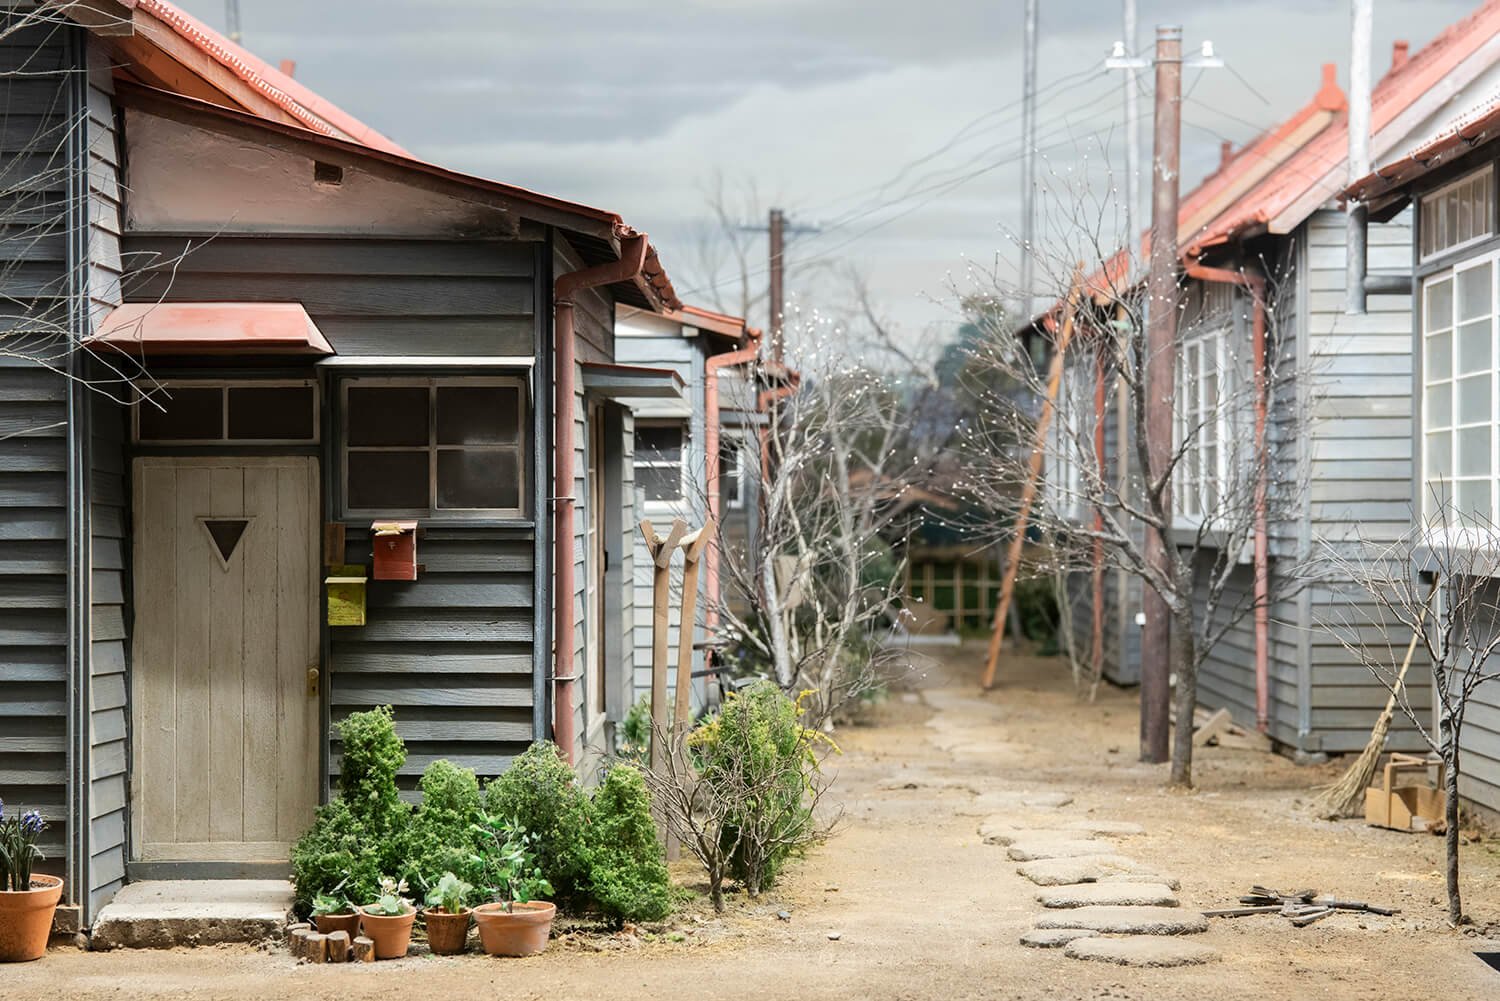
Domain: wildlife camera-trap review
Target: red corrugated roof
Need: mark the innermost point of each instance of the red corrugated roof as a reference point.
(195, 328)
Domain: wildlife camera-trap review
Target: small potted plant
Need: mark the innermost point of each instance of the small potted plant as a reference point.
(516, 923)
(27, 900)
(389, 919)
(333, 912)
(446, 917)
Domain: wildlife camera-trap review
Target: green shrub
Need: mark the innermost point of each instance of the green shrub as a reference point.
(442, 837)
(362, 833)
(627, 876)
(761, 766)
(540, 795)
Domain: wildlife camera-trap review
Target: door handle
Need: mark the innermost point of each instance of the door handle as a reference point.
(312, 682)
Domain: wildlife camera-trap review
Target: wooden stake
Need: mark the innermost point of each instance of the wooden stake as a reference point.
(1033, 478)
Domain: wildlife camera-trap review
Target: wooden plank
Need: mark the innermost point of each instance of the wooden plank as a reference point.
(226, 651)
(384, 658)
(189, 691)
(297, 647)
(263, 748)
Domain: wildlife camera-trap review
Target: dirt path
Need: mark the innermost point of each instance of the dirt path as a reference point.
(924, 909)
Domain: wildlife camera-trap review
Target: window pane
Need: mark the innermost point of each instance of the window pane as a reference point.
(387, 415)
(273, 413)
(186, 414)
(1474, 497)
(478, 415)
(1474, 292)
(1474, 399)
(1439, 357)
(1437, 495)
(1440, 405)
(478, 478)
(658, 444)
(1439, 305)
(1473, 451)
(395, 481)
(1440, 455)
(659, 483)
(1474, 346)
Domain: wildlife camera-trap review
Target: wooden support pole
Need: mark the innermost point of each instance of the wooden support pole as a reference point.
(1033, 479)
(692, 554)
(661, 594)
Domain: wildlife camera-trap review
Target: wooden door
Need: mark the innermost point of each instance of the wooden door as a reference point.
(226, 631)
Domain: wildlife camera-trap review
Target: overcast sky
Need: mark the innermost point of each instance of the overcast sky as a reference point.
(820, 106)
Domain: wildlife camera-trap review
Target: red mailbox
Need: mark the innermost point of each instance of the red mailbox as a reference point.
(395, 546)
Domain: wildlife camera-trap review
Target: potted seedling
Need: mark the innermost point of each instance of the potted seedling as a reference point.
(333, 912)
(516, 923)
(27, 900)
(446, 916)
(388, 920)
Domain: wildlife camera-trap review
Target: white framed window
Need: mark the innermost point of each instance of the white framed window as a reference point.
(434, 446)
(219, 412)
(733, 471)
(1071, 438)
(660, 451)
(1457, 214)
(1459, 390)
(1203, 419)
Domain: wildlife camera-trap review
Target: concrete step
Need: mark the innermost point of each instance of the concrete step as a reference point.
(162, 914)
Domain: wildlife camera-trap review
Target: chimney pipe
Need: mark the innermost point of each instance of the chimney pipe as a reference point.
(289, 67)
(1400, 52)
(1226, 153)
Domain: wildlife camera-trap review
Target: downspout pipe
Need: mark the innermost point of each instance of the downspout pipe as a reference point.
(633, 247)
(712, 470)
(1255, 284)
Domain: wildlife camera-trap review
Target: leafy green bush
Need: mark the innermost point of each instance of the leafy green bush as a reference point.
(760, 765)
(362, 833)
(627, 877)
(540, 795)
(442, 836)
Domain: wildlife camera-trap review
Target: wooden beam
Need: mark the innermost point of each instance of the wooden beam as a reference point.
(1033, 478)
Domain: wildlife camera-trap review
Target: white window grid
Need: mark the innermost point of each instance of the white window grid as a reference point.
(645, 457)
(432, 384)
(1458, 214)
(1071, 437)
(737, 453)
(1203, 420)
(1460, 391)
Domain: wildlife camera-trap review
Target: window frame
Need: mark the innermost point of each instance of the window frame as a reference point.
(1450, 380)
(1432, 197)
(735, 500)
(637, 461)
(432, 383)
(1073, 408)
(224, 386)
(1190, 475)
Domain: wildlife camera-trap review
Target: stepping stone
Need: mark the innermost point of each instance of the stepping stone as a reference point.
(1029, 849)
(1046, 800)
(1153, 952)
(1053, 938)
(1106, 828)
(1117, 894)
(1082, 869)
(1142, 877)
(1128, 920)
(997, 835)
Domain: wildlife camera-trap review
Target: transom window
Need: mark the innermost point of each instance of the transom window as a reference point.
(659, 452)
(197, 412)
(1457, 214)
(1459, 416)
(427, 446)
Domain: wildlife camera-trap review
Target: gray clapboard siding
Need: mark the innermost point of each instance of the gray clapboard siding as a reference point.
(369, 297)
(451, 651)
(34, 265)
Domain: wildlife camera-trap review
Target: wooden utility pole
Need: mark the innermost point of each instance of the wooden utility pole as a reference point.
(1033, 480)
(777, 227)
(1161, 367)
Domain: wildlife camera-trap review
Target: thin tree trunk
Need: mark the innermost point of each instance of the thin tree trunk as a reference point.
(1185, 666)
(1450, 838)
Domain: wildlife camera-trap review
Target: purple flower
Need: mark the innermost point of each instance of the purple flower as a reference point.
(32, 822)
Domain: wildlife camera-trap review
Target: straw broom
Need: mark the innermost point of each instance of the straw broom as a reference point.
(1345, 797)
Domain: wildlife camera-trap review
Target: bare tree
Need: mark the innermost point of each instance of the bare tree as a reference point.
(1222, 482)
(836, 478)
(1440, 583)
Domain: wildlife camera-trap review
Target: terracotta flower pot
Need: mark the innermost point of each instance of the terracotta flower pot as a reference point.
(446, 933)
(392, 935)
(26, 919)
(522, 931)
(330, 923)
